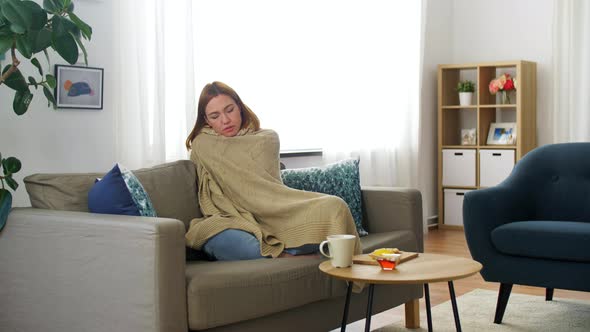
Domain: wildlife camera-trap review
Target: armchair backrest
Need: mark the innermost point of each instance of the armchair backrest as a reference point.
(556, 181)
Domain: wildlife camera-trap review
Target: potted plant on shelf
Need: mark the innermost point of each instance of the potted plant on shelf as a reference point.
(466, 89)
(29, 29)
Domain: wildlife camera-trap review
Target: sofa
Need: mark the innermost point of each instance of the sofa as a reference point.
(65, 269)
(533, 228)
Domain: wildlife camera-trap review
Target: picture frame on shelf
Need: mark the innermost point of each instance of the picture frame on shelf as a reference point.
(79, 87)
(468, 136)
(502, 133)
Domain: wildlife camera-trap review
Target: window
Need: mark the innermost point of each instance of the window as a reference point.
(314, 71)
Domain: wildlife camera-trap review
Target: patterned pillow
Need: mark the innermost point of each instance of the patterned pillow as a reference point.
(120, 192)
(339, 179)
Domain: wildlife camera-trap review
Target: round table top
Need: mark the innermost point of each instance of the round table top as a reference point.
(426, 268)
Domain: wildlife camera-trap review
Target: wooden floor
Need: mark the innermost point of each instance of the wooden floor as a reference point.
(452, 242)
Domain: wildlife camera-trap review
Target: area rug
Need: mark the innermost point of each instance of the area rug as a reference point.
(524, 313)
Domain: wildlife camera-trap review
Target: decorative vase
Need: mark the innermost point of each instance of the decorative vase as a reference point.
(505, 97)
(465, 98)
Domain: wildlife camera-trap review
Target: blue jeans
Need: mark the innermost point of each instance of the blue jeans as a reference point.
(234, 244)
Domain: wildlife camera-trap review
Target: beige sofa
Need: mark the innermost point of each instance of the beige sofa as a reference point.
(64, 269)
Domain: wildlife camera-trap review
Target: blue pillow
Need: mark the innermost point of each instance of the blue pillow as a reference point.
(340, 179)
(120, 192)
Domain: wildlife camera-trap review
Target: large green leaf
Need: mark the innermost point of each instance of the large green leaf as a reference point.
(52, 6)
(16, 80)
(62, 26)
(66, 47)
(32, 81)
(23, 45)
(39, 15)
(51, 82)
(85, 28)
(18, 14)
(36, 63)
(5, 43)
(49, 96)
(42, 40)
(11, 183)
(79, 42)
(11, 165)
(21, 102)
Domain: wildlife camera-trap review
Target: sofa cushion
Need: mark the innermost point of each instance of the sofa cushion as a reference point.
(172, 188)
(225, 292)
(339, 179)
(120, 192)
(559, 240)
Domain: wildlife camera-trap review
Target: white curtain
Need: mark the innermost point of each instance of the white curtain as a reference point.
(571, 71)
(340, 75)
(154, 93)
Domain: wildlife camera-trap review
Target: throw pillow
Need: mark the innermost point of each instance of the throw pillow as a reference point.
(340, 179)
(120, 192)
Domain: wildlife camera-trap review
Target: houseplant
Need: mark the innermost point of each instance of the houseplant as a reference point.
(29, 29)
(466, 89)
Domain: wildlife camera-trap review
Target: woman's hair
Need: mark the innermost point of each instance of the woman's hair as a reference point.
(210, 91)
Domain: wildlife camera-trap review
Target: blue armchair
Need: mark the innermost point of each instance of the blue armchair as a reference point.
(534, 228)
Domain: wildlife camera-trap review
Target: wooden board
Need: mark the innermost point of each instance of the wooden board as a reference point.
(368, 260)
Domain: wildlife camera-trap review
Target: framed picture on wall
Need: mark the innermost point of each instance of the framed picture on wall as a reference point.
(79, 87)
(502, 133)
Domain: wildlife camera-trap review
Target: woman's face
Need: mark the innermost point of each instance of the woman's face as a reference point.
(223, 115)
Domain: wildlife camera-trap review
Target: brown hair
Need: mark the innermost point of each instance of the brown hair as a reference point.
(210, 91)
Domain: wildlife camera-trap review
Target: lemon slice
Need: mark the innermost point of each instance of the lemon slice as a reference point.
(388, 251)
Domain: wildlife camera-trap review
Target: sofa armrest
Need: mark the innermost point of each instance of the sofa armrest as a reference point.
(393, 208)
(77, 271)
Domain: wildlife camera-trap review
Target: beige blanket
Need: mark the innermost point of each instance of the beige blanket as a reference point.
(240, 187)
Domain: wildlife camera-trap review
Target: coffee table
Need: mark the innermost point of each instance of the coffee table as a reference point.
(424, 269)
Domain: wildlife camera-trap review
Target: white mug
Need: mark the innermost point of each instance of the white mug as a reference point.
(341, 248)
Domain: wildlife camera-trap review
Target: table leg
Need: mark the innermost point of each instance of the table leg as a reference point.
(428, 313)
(454, 303)
(369, 308)
(412, 309)
(346, 305)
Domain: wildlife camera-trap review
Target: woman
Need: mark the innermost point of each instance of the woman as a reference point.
(248, 212)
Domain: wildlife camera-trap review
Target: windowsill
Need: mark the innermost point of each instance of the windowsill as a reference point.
(300, 153)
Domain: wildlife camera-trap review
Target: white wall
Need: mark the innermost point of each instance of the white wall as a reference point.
(508, 30)
(437, 38)
(64, 140)
(466, 31)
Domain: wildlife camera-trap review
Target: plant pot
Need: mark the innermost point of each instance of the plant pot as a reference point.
(465, 98)
(5, 205)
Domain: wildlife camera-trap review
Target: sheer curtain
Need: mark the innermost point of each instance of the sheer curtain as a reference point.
(154, 96)
(571, 71)
(340, 75)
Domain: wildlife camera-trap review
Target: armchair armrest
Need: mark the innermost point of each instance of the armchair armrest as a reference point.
(394, 208)
(77, 271)
(486, 209)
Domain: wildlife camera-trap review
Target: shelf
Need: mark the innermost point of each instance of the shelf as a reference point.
(507, 147)
(460, 187)
(498, 106)
(455, 120)
(470, 107)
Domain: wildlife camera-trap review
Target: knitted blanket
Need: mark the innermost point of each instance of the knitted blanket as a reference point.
(240, 187)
